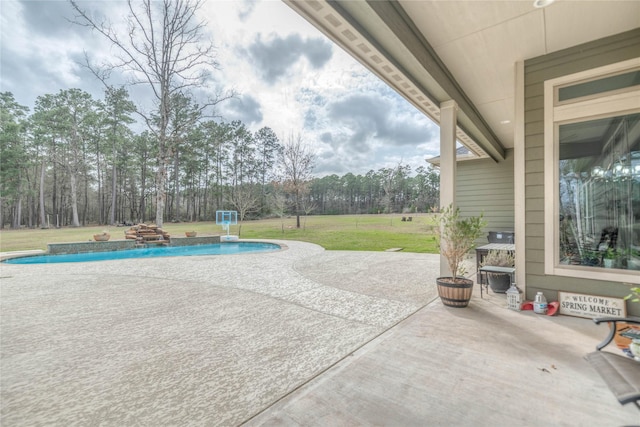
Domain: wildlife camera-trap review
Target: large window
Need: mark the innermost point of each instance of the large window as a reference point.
(592, 148)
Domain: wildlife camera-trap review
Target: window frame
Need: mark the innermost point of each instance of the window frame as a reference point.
(607, 104)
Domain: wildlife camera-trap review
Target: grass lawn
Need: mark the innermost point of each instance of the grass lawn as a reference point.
(333, 232)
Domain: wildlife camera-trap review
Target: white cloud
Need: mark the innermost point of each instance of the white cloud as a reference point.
(288, 75)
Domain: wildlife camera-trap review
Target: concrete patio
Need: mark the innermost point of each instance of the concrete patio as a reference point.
(301, 336)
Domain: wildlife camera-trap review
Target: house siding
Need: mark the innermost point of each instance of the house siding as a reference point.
(484, 186)
(599, 53)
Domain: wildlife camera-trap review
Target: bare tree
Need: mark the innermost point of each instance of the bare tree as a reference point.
(297, 162)
(244, 198)
(163, 48)
(308, 206)
(278, 202)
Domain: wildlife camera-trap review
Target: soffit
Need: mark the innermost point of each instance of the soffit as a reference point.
(480, 41)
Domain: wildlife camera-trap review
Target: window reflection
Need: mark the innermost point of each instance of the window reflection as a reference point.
(601, 85)
(599, 183)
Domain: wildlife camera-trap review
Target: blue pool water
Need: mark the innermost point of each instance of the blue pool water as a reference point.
(164, 251)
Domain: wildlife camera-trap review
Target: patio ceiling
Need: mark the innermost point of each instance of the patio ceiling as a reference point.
(433, 51)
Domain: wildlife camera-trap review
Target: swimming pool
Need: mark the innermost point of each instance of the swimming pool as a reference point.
(227, 248)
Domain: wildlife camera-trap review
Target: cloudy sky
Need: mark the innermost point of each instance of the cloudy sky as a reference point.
(288, 77)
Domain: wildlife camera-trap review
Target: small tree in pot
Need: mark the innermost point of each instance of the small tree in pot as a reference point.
(457, 236)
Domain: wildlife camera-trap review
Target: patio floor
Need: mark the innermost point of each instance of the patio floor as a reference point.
(297, 337)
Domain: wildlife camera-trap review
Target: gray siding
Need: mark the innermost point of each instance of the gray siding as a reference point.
(484, 186)
(602, 52)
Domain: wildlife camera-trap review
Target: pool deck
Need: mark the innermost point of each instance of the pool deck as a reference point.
(300, 336)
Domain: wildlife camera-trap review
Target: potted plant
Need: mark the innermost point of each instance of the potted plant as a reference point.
(609, 258)
(633, 261)
(457, 236)
(499, 282)
(634, 296)
(589, 257)
(634, 346)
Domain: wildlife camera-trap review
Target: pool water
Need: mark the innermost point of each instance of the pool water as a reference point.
(164, 251)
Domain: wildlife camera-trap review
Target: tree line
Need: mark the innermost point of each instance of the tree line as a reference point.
(76, 160)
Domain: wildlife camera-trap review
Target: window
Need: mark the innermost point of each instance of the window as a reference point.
(592, 196)
(598, 86)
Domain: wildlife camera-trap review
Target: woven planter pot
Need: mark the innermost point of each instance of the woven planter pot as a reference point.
(455, 294)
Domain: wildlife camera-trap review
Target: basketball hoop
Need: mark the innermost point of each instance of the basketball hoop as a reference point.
(226, 219)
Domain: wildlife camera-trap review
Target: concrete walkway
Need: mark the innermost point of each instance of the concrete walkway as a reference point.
(296, 337)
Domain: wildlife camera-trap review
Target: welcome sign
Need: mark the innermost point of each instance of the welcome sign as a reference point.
(591, 306)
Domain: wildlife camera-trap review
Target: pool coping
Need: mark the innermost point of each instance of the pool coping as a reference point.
(19, 254)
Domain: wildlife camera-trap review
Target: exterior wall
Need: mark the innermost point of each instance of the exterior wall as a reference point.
(602, 52)
(80, 247)
(484, 186)
(189, 241)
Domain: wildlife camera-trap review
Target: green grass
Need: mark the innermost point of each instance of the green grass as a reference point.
(333, 232)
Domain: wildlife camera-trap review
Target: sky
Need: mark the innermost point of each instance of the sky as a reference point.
(287, 75)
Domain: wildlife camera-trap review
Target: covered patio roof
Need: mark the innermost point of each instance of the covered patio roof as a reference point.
(434, 51)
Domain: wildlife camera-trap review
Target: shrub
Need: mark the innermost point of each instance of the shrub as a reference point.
(499, 259)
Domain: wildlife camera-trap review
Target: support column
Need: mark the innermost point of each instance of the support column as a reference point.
(519, 180)
(448, 124)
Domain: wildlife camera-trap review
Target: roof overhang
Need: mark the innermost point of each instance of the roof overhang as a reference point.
(432, 51)
(382, 37)
(462, 154)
